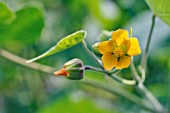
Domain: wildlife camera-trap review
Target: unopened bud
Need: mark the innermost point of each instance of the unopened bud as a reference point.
(72, 69)
(95, 50)
(105, 35)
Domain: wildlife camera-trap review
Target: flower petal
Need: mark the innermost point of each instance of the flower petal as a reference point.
(106, 47)
(119, 36)
(109, 61)
(61, 72)
(133, 47)
(124, 62)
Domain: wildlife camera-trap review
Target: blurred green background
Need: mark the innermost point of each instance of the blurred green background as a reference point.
(29, 27)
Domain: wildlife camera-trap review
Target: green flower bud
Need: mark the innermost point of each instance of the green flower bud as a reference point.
(72, 69)
(95, 50)
(105, 35)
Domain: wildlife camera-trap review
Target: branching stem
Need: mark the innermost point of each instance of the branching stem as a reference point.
(113, 75)
(122, 93)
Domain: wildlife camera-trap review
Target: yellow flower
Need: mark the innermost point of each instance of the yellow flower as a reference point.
(118, 51)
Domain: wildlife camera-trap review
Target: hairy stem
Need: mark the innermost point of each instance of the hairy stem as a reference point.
(91, 54)
(112, 75)
(22, 61)
(140, 87)
(145, 54)
(148, 95)
(134, 72)
(122, 93)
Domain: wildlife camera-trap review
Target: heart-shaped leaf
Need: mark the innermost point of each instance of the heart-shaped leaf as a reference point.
(63, 44)
(160, 8)
(6, 15)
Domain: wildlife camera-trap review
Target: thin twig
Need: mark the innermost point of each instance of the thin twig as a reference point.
(95, 69)
(22, 61)
(113, 76)
(50, 70)
(148, 95)
(145, 54)
(122, 93)
(134, 71)
(91, 54)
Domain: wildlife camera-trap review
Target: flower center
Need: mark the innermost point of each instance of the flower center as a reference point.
(118, 52)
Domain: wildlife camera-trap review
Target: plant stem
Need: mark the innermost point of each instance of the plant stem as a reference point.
(22, 61)
(134, 71)
(122, 93)
(140, 87)
(148, 95)
(95, 69)
(112, 75)
(91, 54)
(115, 71)
(145, 54)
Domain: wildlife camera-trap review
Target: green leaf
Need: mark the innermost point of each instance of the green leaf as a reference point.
(160, 8)
(63, 44)
(25, 29)
(6, 15)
